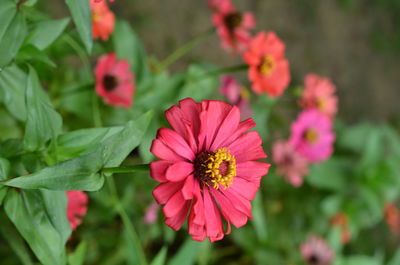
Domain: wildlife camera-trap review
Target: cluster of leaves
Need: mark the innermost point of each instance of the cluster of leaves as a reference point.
(56, 135)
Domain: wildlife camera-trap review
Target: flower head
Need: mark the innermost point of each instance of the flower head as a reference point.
(392, 217)
(315, 251)
(232, 26)
(236, 95)
(76, 207)
(312, 135)
(151, 213)
(341, 220)
(268, 67)
(103, 20)
(114, 81)
(289, 163)
(207, 168)
(319, 93)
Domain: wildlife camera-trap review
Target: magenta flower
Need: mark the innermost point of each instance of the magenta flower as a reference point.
(236, 95)
(76, 207)
(315, 251)
(207, 168)
(319, 93)
(312, 135)
(150, 216)
(289, 163)
(114, 81)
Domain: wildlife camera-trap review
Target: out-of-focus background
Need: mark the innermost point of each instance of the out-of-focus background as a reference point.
(354, 42)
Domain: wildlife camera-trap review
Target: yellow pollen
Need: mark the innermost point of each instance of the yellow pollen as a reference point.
(311, 135)
(215, 161)
(96, 16)
(321, 104)
(244, 93)
(267, 65)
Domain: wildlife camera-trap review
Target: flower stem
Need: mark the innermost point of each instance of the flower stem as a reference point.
(183, 50)
(128, 169)
(230, 69)
(126, 221)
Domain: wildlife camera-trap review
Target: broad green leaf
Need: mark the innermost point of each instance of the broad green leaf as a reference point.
(160, 258)
(187, 254)
(9, 127)
(40, 217)
(8, 8)
(30, 52)
(77, 142)
(259, 221)
(43, 122)
(78, 256)
(81, 15)
(331, 174)
(46, 32)
(12, 86)
(14, 239)
(128, 46)
(361, 260)
(11, 148)
(395, 260)
(82, 173)
(12, 39)
(4, 168)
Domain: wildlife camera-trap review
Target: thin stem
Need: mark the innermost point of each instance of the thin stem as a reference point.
(128, 169)
(96, 112)
(226, 70)
(126, 221)
(183, 50)
(80, 51)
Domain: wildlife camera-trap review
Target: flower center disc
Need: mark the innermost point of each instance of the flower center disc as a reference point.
(267, 65)
(233, 20)
(311, 136)
(215, 168)
(110, 82)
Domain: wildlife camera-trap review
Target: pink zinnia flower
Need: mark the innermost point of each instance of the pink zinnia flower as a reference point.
(236, 95)
(319, 93)
(289, 163)
(312, 135)
(232, 26)
(103, 20)
(151, 213)
(315, 251)
(76, 207)
(268, 68)
(207, 167)
(102, 0)
(114, 81)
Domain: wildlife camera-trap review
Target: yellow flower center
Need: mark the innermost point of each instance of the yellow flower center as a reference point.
(311, 136)
(267, 65)
(244, 93)
(215, 168)
(321, 104)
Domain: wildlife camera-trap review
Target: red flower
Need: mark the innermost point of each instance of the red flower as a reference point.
(97, 1)
(232, 26)
(268, 68)
(206, 167)
(319, 93)
(114, 81)
(315, 251)
(103, 20)
(76, 207)
(392, 217)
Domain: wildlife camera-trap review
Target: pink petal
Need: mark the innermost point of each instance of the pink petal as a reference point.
(188, 188)
(163, 152)
(174, 205)
(245, 142)
(246, 189)
(238, 202)
(163, 192)
(176, 143)
(177, 221)
(179, 171)
(243, 127)
(230, 213)
(252, 171)
(228, 126)
(213, 219)
(158, 169)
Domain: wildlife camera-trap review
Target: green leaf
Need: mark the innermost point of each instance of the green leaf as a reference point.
(40, 217)
(78, 256)
(12, 86)
(12, 39)
(3, 193)
(128, 46)
(11, 148)
(46, 32)
(259, 221)
(395, 260)
(30, 52)
(82, 173)
(81, 15)
(187, 254)
(14, 239)
(4, 168)
(160, 258)
(43, 122)
(330, 174)
(361, 260)
(8, 8)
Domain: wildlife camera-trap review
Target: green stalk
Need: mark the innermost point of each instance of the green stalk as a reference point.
(183, 50)
(126, 221)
